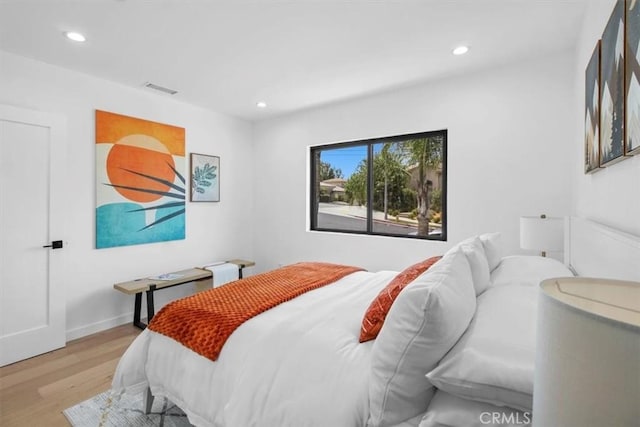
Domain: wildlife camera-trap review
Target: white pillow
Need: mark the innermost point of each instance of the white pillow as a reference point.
(492, 243)
(493, 361)
(424, 322)
(474, 251)
(451, 411)
(527, 270)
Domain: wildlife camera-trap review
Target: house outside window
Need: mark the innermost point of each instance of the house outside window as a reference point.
(392, 186)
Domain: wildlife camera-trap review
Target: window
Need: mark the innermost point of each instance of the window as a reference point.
(393, 186)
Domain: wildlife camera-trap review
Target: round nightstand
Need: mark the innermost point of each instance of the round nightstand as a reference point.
(588, 353)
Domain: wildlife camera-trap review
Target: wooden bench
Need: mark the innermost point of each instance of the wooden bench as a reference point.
(150, 285)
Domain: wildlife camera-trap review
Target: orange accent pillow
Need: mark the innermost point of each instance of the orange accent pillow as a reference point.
(377, 311)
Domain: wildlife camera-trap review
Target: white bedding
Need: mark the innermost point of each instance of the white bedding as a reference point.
(298, 364)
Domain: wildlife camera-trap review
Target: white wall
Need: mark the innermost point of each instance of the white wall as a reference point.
(611, 195)
(514, 149)
(214, 231)
(510, 143)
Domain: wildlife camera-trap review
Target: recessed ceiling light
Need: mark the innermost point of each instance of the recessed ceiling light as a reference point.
(460, 50)
(261, 104)
(76, 37)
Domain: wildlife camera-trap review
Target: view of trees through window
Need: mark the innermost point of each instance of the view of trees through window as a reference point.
(391, 186)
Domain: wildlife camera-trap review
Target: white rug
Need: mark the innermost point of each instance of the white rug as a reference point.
(108, 410)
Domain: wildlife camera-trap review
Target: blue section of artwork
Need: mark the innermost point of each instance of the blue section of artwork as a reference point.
(123, 224)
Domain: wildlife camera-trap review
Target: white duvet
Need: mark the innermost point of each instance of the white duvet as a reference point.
(298, 364)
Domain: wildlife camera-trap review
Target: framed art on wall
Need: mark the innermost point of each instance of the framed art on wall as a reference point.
(592, 113)
(632, 60)
(140, 185)
(612, 88)
(205, 178)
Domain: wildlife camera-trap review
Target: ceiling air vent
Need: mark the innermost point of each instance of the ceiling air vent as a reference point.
(160, 88)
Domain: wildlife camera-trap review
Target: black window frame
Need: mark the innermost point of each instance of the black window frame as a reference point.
(369, 143)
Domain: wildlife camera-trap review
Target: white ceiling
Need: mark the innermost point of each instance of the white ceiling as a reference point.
(226, 55)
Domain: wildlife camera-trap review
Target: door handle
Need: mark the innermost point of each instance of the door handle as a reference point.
(56, 244)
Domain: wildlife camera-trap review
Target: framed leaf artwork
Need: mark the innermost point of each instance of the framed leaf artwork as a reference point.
(205, 178)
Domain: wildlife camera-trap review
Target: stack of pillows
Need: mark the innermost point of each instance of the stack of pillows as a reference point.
(464, 323)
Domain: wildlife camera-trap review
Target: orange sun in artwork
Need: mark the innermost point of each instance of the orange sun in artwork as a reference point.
(140, 162)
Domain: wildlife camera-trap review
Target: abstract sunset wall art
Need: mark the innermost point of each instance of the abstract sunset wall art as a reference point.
(140, 184)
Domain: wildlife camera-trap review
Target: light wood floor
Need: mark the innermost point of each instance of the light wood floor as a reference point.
(35, 391)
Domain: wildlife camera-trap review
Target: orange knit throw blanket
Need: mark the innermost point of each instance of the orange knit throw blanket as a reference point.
(203, 322)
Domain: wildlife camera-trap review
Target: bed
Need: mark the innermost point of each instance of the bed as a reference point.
(277, 368)
(301, 363)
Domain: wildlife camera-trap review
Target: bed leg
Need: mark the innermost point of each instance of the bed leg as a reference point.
(147, 401)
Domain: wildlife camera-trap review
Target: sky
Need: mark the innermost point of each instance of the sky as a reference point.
(347, 159)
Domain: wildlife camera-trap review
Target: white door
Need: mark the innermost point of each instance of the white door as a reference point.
(32, 171)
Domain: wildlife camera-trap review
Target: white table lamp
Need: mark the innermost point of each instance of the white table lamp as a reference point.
(542, 233)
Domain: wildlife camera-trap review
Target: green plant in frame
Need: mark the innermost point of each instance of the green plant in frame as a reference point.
(203, 177)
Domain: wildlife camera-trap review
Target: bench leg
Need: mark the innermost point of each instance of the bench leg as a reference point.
(136, 312)
(150, 307)
(147, 401)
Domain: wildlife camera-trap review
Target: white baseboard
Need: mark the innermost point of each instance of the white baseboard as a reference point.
(103, 325)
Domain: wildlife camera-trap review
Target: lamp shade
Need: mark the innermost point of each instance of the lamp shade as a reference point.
(542, 233)
(587, 366)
